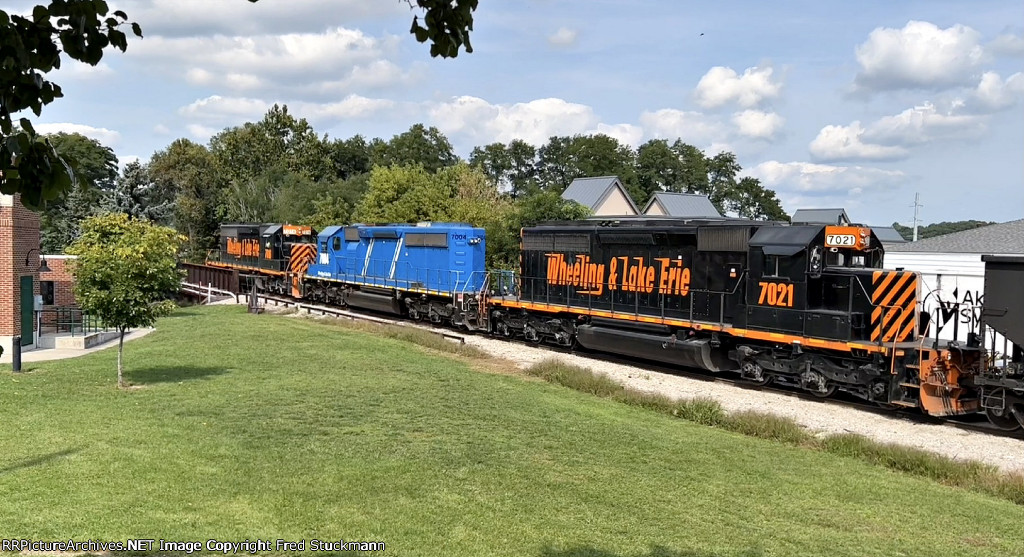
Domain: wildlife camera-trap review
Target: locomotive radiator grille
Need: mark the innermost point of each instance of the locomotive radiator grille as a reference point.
(895, 300)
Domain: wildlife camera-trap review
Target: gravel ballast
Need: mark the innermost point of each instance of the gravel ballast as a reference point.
(821, 418)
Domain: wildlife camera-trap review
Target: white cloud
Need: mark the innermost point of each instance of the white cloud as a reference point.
(924, 124)
(80, 70)
(1007, 45)
(161, 129)
(757, 124)
(839, 143)
(533, 122)
(563, 37)
(203, 17)
(351, 107)
(108, 138)
(330, 62)
(920, 55)
(694, 128)
(721, 85)
(806, 185)
(200, 132)
(995, 94)
(627, 134)
(225, 109)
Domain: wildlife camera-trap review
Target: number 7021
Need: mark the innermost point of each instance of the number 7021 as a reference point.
(776, 294)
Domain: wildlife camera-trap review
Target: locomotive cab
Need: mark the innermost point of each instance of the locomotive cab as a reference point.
(820, 282)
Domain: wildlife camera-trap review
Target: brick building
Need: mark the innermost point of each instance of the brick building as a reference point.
(56, 287)
(19, 272)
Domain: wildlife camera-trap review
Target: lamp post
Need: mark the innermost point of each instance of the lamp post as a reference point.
(43, 267)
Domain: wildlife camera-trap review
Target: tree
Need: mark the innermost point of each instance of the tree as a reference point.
(420, 145)
(278, 140)
(751, 200)
(191, 172)
(137, 196)
(97, 172)
(124, 272)
(562, 159)
(350, 157)
(503, 247)
(658, 168)
(938, 228)
(512, 167)
(83, 31)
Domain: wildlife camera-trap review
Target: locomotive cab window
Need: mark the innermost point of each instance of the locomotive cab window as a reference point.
(835, 259)
(336, 243)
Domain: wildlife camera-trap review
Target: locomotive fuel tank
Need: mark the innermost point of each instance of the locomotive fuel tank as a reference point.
(693, 352)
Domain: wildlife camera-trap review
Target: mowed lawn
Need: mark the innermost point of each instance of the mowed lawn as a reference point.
(271, 427)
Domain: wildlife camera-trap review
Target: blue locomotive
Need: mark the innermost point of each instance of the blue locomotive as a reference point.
(433, 271)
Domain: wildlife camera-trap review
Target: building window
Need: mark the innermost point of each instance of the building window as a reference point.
(46, 290)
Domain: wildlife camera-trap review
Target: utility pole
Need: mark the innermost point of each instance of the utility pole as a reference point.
(917, 205)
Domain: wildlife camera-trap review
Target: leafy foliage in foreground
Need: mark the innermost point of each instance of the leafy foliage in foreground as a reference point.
(124, 273)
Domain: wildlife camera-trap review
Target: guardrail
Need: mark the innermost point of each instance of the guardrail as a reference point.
(68, 319)
(209, 291)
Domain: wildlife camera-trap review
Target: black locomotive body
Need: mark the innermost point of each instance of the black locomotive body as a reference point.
(801, 305)
(275, 255)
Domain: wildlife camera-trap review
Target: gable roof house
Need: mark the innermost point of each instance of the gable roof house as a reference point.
(688, 205)
(604, 195)
(821, 216)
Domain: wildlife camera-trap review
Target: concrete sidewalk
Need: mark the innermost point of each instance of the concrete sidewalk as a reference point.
(41, 354)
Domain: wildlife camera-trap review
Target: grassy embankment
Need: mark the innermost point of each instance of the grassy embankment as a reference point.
(269, 427)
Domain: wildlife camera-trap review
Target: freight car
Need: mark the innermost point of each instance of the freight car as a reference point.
(999, 376)
(806, 306)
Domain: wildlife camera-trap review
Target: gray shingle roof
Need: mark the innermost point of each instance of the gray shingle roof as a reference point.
(692, 205)
(888, 235)
(591, 192)
(819, 216)
(1005, 238)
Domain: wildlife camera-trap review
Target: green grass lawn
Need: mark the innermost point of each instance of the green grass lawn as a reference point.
(275, 427)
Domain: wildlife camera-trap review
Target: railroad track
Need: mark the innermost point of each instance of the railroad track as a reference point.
(699, 375)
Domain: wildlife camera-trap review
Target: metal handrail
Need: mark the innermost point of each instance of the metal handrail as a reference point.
(71, 319)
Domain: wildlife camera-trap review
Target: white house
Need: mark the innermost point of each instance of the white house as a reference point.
(953, 274)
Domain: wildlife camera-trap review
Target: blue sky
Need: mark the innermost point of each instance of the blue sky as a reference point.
(832, 104)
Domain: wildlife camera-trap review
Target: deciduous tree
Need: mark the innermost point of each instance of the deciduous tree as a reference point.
(420, 145)
(125, 270)
(97, 172)
(191, 172)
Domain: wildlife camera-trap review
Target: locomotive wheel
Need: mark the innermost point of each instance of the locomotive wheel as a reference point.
(829, 391)
(1002, 418)
(755, 374)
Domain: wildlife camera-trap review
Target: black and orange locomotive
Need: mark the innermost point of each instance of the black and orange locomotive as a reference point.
(805, 305)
